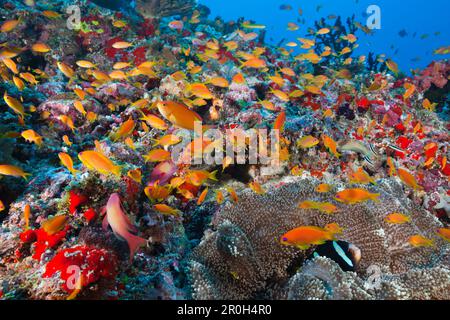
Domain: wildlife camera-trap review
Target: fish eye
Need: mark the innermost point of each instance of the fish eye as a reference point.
(285, 239)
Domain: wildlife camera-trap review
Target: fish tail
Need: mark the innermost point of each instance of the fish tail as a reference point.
(134, 243)
(418, 187)
(26, 175)
(375, 197)
(117, 171)
(212, 175)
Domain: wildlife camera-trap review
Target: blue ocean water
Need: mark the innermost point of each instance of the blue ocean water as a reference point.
(426, 24)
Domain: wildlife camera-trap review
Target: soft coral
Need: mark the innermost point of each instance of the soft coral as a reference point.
(93, 263)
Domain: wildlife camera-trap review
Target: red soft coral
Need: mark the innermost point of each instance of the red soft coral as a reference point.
(45, 241)
(92, 263)
(436, 73)
(76, 200)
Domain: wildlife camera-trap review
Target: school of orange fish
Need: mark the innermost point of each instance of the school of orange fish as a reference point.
(199, 76)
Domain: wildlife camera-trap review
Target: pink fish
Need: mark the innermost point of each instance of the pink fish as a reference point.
(163, 172)
(121, 224)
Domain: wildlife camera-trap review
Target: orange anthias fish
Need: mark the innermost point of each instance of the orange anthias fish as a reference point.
(125, 130)
(233, 194)
(167, 210)
(40, 48)
(155, 122)
(360, 177)
(397, 218)
(256, 187)
(67, 161)
(178, 114)
(14, 104)
(331, 145)
(96, 161)
(219, 82)
(121, 224)
(307, 142)
(202, 196)
(65, 69)
(408, 179)
(32, 136)
(280, 121)
(26, 216)
(121, 45)
(323, 188)
(9, 25)
(2, 206)
(79, 106)
(219, 197)
(11, 65)
(391, 165)
(157, 155)
(410, 89)
(136, 175)
(392, 66)
(325, 207)
(67, 121)
(420, 241)
(353, 196)
(10, 170)
(198, 177)
(255, 63)
(306, 236)
(157, 192)
(55, 224)
(200, 90)
(444, 233)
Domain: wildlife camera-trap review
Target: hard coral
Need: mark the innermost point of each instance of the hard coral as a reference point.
(322, 278)
(243, 255)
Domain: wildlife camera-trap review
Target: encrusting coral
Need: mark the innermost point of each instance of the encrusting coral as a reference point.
(242, 254)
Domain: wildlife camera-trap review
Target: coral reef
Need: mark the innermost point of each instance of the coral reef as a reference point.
(242, 254)
(96, 117)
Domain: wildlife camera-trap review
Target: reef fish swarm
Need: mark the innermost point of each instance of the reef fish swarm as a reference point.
(92, 115)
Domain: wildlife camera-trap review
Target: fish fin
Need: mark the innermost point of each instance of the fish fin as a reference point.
(134, 243)
(117, 171)
(303, 246)
(105, 222)
(212, 175)
(376, 197)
